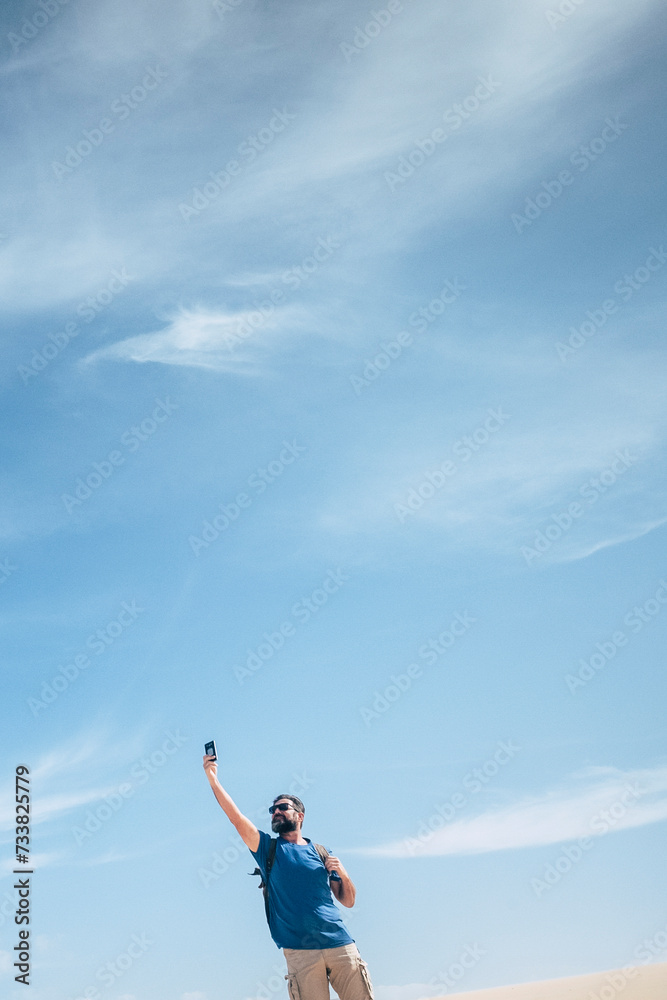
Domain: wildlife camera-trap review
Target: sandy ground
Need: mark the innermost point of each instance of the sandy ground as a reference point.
(641, 982)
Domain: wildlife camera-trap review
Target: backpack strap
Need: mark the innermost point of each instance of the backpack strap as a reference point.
(271, 856)
(263, 885)
(324, 854)
(322, 851)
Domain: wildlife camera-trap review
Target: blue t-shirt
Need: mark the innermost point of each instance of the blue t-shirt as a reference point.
(302, 913)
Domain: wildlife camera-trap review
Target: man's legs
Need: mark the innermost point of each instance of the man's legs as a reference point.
(348, 973)
(306, 974)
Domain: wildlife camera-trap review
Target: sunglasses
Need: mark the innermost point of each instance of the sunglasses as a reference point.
(283, 806)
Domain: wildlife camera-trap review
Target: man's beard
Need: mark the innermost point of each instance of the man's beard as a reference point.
(280, 824)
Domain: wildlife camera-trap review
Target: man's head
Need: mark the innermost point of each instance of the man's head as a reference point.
(287, 814)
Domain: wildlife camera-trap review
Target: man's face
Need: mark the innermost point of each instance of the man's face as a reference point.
(285, 818)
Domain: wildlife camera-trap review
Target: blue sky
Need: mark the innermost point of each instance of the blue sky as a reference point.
(334, 430)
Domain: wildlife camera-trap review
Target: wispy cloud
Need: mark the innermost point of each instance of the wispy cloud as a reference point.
(504, 487)
(216, 340)
(629, 799)
(69, 764)
(352, 144)
(39, 860)
(618, 537)
(329, 155)
(67, 757)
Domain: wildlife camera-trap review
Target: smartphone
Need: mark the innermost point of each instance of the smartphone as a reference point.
(209, 748)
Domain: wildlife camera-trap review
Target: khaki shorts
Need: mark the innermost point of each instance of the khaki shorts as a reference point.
(309, 972)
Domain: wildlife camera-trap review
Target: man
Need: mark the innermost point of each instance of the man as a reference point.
(303, 919)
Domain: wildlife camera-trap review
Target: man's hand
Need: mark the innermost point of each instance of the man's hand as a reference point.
(211, 766)
(344, 890)
(333, 864)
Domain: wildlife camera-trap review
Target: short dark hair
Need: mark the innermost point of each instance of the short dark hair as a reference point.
(298, 804)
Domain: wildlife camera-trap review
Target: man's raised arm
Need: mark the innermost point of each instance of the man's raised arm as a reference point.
(246, 828)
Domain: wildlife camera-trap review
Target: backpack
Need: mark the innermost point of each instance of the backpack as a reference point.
(322, 851)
